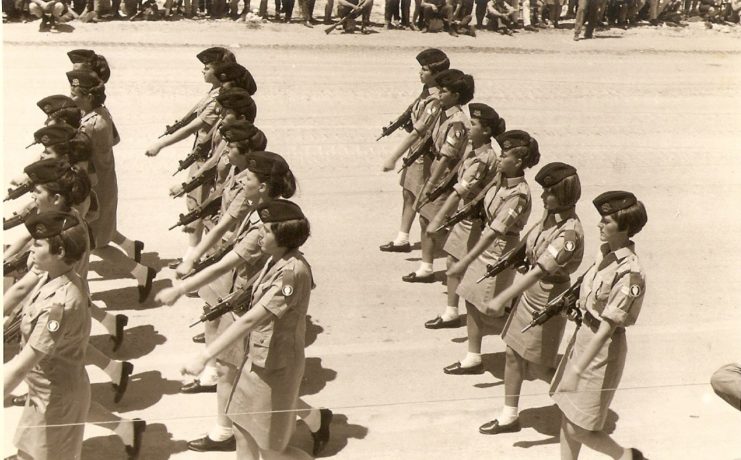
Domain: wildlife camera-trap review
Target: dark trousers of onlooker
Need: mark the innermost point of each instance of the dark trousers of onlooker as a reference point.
(286, 7)
(307, 9)
(444, 12)
(480, 12)
(391, 11)
(349, 25)
(586, 15)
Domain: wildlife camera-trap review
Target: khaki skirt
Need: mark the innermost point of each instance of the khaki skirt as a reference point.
(539, 344)
(264, 401)
(463, 236)
(589, 405)
(415, 176)
(480, 294)
(211, 294)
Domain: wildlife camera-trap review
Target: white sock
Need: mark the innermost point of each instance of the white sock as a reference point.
(424, 269)
(401, 238)
(209, 376)
(140, 273)
(220, 433)
(450, 313)
(128, 246)
(313, 420)
(113, 370)
(471, 359)
(109, 323)
(508, 415)
(125, 431)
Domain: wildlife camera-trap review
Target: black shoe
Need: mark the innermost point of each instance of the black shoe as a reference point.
(126, 370)
(19, 400)
(637, 454)
(200, 338)
(414, 278)
(196, 387)
(321, 437)
(145, 290)
(140, 426)
(138, 248)
(391, 247)
(117, 338)
(206, 444)
(494, 427)
(439, 323)
(457, 369)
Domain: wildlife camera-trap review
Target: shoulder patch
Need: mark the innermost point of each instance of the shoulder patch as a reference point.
(635, 283)
(569, 237)
(55, 317)
(288, 282)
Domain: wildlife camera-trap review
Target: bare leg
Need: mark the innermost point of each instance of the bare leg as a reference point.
(223, 390)
(474, 333)
(289, 453)
(247, 448)
(453, 283)
(595, 440)
(514, 370)
(407, 211)
(570, 447)
(124, 428)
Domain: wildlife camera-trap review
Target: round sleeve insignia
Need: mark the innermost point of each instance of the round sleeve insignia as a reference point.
(52, 326)
(569, 246)
(635, 290)
(287, 290)
(457, 134)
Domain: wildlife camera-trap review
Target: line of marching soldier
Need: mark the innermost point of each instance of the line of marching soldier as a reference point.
(464, 175)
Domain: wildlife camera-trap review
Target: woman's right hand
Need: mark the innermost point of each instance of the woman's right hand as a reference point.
(389, 165)
(168, 296)
(456, 270)
(176, 190)
(153, 151)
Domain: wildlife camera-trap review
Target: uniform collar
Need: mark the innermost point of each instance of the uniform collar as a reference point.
(434, 90)
(563, 215)
(484, 148)
(621, 253)
(49, 287)
(452, 111)
(510, 182)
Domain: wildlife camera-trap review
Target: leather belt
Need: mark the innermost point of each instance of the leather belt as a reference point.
(591, 322)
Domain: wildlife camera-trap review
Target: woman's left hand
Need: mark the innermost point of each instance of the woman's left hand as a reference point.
(495, 307)
(194, 367)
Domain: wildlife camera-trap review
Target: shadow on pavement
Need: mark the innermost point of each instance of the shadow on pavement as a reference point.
(127, 298)
(547, 420)
(312, 331)
(138, 341)
(341, 431)
(315, 377)
(145, 390)
(157, 444)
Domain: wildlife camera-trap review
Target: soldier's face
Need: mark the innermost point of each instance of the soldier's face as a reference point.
(509, 164)
(478, 132)
(426, 76)
(208, 74)
(608, 228)
(448, 98)
(42, 257)
(550, 201)
(44, 199)
(267, 241)
(251, 185)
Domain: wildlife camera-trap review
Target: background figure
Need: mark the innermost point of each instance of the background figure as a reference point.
(346, 7)
(391, 12)
(726, 383)
(585, 13)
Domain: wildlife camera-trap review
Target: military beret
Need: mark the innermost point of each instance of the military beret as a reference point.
(433, 57)
(54, 134)
(214, 54)
(83, 78)
(267, 163)
(237, 99)
(50, 223)
(229, 71)
(82, 148)
(45, 171)
(238, 130)
(51, 104)
(513, 139)
(482, 112)
(613, 201)
(80, 56)
(457, 82)
(553, 173)
(278, 211)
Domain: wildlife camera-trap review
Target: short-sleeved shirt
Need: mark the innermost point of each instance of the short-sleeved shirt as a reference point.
(614, 286)
(508, 205)
(207, 111)
(56, 322)
(248, 250)
(478, 169)
(234, 200)
(557, 246)
(450, 133)
(283, 288)
(425, 113)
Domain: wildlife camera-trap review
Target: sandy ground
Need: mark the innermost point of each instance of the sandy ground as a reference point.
(653, 111)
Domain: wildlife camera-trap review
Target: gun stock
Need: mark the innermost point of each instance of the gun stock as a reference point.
(19, 191)
(170, 129)
(355, 12)
(566, 301)
(16, 264)
(210, 260)
(404, 119)
(238, 300)
(207, 209)
(514, 257)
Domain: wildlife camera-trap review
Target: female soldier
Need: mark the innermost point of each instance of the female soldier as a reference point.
(88, 92)
(507, 206)
(611, 296)
(205, 117)
(554, 250)
(55, 329)
(265, 396)
(476, 171)
(266, 177)
(449, 139)
(424, 112)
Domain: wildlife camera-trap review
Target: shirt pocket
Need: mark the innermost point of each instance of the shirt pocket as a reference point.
(602, 290)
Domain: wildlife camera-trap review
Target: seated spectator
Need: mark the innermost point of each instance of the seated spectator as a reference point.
(502, 17)
(349, 7)
(437, 15)
(461, 18)
(51, 13)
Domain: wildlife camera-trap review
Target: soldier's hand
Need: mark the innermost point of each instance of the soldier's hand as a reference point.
(389, 165)
(176, 190)
(194, 367)
(456, 270)
(168, 296)
(495, 307)
(152, 151)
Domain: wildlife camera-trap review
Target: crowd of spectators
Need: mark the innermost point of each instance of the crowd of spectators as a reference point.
(452, 16)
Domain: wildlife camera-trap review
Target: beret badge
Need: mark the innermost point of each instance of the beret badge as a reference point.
(264, 214)
(606, 207)
(75, 82)
(44, 139)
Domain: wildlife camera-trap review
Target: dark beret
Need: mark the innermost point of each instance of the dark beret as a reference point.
(433, 57)
(80, 56)
(239, 130)
(236, 99)
(82, 148)
(513, 139)
(51, 104)
(50, 223)
(279, 210)
(482, 112)
(54, 134)
(45, 171)
(214, 54)
(553, 173)
(613, 201)
(457, 82)
(231, 71)
(83, 78)
(262, 162)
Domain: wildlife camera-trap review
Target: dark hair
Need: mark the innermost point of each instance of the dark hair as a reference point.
(80, 148)
(291, 234)
(98, 93)
(279, 185)
(74, 186)
(68, 115)
(73, 240)
(567, 191)
(631, 219)
(439, 66)
(61, 149)
(497, 127)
